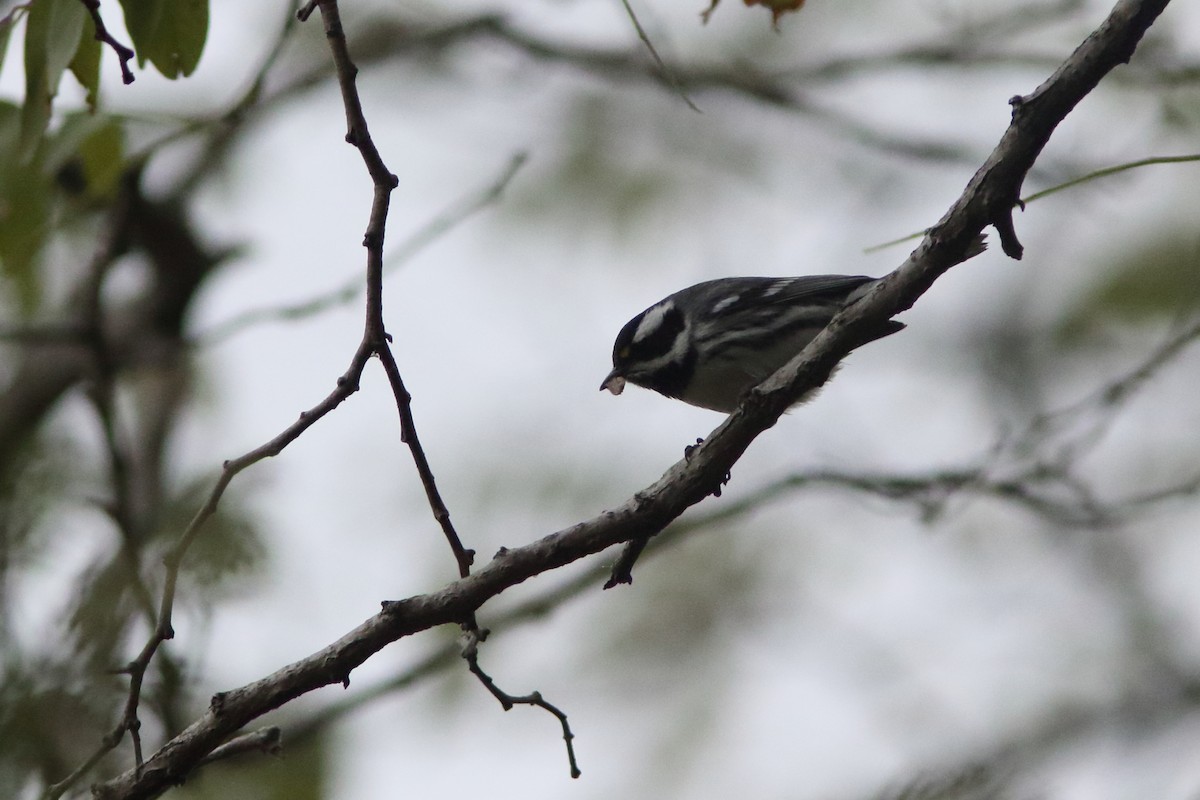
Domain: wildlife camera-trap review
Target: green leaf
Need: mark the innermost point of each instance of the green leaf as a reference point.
(24, 224)
(10, 130)
(85, 65)
(170, 34)
(102, 156)
(51, 39)
(88, 148)
(24, 210)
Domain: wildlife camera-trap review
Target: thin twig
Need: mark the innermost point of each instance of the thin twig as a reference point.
(463, 556)
(264, 740)
(56, 790)
(13, 14)
(375, 335)
(1105, 172)
(666, 71)
(1024, 201)
(102, 35)
(93, 336)
(470, 652)
(1091, 416)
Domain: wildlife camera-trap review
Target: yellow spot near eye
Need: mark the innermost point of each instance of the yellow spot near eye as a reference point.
(624, 353)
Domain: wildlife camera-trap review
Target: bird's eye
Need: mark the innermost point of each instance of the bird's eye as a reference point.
(623, 353)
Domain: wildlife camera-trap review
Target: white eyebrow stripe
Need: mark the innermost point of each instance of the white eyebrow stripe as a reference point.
(726, 303)
(777, 287)
(652, 320)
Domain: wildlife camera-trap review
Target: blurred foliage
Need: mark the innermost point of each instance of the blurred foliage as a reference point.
(692, 609)
(24, 210)
(49, 721)
(61, 34)
(31, 484)
(85, 64)
(974, 782)
(60, 172)
(53, 32)
(608, 179)
(45, 170)
(60, 692)
(232, 549)
(170, 34)
(711, 587)
(300, 772)
(1160, 281)
(69, 172)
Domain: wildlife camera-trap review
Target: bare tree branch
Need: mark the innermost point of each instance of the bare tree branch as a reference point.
(988, 199)
(1031, 486)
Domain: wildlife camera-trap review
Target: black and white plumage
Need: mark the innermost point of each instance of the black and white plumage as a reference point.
(708, 344)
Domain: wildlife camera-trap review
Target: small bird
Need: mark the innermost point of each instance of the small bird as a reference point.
(710, 343)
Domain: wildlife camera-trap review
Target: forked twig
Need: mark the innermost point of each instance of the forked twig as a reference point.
(473, 636)
(124, 54)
